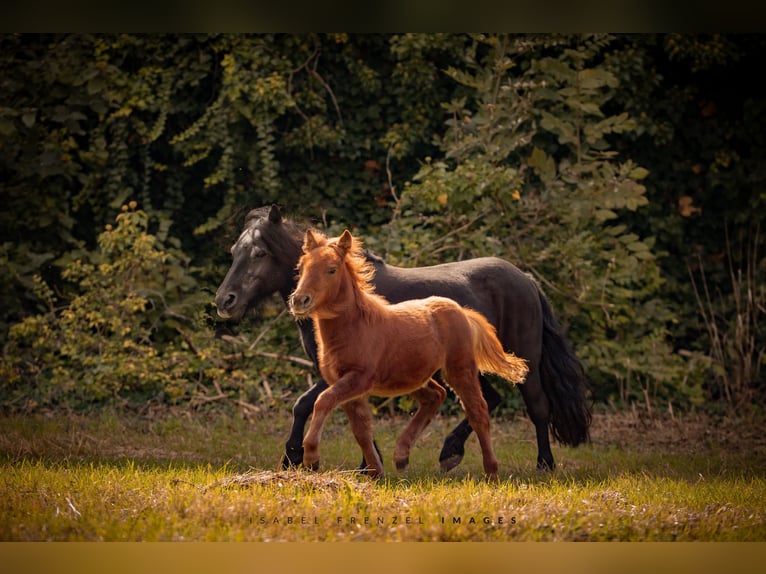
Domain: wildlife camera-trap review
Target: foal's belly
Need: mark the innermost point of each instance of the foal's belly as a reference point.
(410, 369)
(396, 386)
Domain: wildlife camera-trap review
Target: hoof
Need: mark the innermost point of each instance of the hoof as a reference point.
(312, 466)
(287, 464)
(293, 457)
(402, 464)
(450, 462)
(543, 466)
(374, 474)
(452, 453)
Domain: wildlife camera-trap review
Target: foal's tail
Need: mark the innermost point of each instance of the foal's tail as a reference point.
(488, 351)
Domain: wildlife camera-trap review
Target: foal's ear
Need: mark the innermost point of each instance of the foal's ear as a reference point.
(310, 241)
(345, 241)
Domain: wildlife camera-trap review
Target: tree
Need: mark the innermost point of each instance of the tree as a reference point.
(700, 120)
(198, 129)
(529, 173)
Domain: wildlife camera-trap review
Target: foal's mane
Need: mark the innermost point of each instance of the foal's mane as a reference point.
(361, 269)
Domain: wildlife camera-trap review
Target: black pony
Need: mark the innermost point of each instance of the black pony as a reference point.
(264, 262)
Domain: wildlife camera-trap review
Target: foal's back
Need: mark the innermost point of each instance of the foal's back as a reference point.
(505, 295)
(407, 342)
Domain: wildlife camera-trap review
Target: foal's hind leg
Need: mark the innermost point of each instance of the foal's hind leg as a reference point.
(454, 445)
(430, 397)
(360, 419)
(466, 385)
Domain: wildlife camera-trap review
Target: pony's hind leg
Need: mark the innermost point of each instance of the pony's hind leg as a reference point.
(539, 410)
(360, 419)
(430, 397)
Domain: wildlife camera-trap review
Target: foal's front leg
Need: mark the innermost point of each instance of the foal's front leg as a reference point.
(360, 419)
(350, 386)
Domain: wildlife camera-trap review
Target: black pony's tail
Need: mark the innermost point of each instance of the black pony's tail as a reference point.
(564, 382)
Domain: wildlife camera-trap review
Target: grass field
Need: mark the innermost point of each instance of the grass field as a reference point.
(178, 477)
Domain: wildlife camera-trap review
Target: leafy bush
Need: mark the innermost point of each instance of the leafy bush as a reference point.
(136, 328)
(101, 343)
(528, 174)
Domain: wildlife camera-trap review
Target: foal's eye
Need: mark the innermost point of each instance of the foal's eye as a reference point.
(331, 271)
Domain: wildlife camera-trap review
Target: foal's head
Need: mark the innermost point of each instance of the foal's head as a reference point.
(331, 272)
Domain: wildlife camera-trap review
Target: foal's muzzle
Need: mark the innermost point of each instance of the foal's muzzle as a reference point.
(300, 305)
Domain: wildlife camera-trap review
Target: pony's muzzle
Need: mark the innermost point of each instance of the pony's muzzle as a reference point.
(224, 303)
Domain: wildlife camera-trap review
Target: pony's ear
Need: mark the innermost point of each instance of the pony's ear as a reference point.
(275, 216)
(310, 241)
(345, 241)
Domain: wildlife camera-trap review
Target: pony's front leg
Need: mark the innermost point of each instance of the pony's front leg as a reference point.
(301, 412)
(350, 386)
(360, 419)
(430, 397)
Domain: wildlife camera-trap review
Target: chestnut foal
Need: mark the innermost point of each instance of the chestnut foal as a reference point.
(370, 347)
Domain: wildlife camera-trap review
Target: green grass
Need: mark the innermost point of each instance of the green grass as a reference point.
(194, 478)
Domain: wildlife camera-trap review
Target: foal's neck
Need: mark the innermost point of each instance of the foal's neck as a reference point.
(354, 304)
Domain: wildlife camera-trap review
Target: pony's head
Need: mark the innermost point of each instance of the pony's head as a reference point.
(330, 271)
(263, 262)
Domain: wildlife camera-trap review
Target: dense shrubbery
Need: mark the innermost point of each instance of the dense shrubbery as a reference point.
(136, 329)
(623, 172)
(529, 175)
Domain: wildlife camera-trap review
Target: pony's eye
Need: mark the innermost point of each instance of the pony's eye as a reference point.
(331, 271)
(259, 253)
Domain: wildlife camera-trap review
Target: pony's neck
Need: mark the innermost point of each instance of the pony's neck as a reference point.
(291, 254)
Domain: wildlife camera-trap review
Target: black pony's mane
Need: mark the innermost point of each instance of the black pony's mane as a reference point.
(373, 258)
(286, 237)
(283, 238)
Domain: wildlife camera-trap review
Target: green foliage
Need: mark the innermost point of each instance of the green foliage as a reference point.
(700, 127)
(529, 175)
(198, 129)
(607, 165)
(102, 343)
(137, 329)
